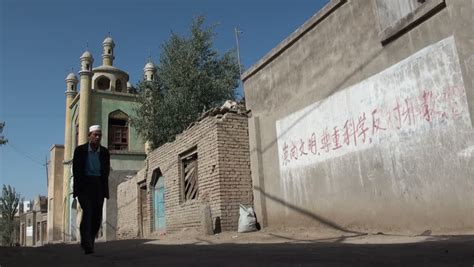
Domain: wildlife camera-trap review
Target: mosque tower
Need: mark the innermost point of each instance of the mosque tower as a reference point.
(149, 75)
(84, 101)
(71, 92)
(149, 71)
(108, 52)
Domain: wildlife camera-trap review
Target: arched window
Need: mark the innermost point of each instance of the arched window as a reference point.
(103, 83)
(118, 86)
(118, 130)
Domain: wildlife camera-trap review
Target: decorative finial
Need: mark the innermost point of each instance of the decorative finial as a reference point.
(87, 45)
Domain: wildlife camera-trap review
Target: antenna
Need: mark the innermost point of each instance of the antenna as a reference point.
(46, 167)
(237, 34)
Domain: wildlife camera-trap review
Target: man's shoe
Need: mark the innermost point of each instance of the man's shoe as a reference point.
(87, 248)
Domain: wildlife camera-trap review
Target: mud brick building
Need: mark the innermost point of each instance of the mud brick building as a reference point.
(208, 165)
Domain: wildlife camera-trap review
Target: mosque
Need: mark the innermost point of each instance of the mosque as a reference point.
(107, 98)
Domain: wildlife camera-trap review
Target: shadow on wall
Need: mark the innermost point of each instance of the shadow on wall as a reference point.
(259, 150)
(307, 213)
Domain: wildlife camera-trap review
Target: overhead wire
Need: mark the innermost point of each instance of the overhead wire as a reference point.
(24, 154)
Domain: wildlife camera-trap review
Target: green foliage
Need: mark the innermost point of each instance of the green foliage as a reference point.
(8, 208)
(191, 78)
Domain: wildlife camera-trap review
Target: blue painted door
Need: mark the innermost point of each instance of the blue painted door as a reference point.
(159, 204)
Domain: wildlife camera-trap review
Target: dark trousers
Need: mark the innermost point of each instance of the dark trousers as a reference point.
(91, 200)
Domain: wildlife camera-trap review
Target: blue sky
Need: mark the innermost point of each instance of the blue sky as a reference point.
(42, 40)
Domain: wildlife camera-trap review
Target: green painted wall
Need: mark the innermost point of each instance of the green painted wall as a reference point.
(127, 161)
(104, 103)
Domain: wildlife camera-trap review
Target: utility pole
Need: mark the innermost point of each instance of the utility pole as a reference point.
(46, 166)
(2, 138)
(237, 34)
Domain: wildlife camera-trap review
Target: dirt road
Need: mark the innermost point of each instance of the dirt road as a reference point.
(255, 249)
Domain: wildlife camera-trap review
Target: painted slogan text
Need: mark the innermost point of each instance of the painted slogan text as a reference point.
(423, 92)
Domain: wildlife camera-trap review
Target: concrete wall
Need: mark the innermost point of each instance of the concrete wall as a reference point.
(55, 193)
(361, 123)
(125, 160)
(110, 211)
(127, 207)
(30, 222)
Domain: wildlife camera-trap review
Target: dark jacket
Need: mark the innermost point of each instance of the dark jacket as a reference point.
(79, 168)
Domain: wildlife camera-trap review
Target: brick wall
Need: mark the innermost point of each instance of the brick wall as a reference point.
(234, 168)
(224, 179)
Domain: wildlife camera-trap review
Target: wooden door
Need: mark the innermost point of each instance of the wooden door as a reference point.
(159, 205)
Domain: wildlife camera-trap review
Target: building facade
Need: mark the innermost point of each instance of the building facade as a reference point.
(362, 120)
(196, 181)
(33, 223)
(105, 98)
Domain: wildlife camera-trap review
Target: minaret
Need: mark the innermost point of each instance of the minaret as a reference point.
(150, 71)
(149, 75)
(108, 52)
(71, 92)
(129, 87)
(84, 98)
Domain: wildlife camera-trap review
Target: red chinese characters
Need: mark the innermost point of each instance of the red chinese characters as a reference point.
(313, 144)
(325, 140)
(428, 107)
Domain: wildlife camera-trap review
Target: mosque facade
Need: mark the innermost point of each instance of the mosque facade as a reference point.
(101, 95)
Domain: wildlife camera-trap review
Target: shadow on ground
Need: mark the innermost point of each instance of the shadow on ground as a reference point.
(437, 251)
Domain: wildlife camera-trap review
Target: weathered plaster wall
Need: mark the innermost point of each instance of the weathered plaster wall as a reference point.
(127, 207)
(392, 149)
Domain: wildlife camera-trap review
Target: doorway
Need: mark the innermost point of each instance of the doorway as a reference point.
(158, 201)
(142, 196)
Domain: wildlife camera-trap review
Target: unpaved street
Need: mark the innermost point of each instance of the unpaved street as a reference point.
(264, 249)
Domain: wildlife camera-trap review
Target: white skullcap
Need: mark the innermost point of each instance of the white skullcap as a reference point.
(94, 128)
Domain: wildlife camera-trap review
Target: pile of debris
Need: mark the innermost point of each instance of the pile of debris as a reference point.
(229, 106)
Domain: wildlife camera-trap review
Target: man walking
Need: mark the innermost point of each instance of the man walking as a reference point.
(91, 167)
